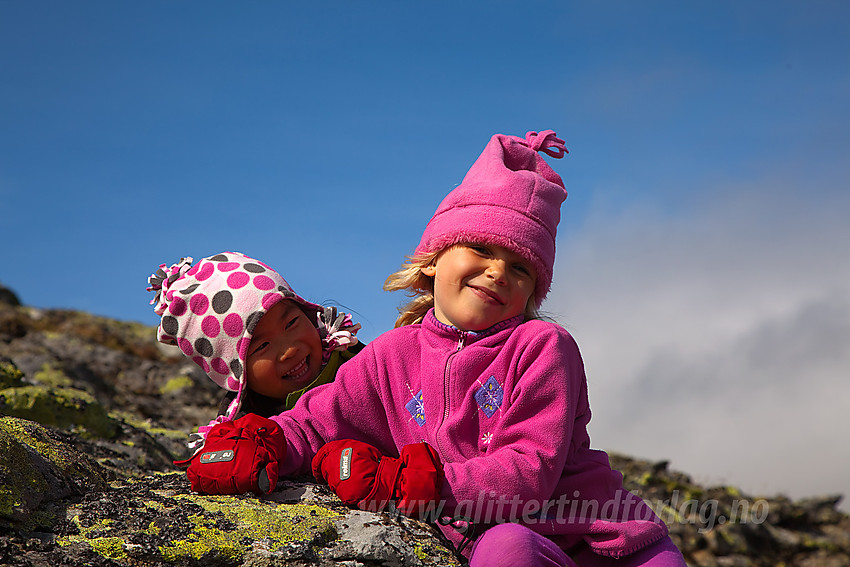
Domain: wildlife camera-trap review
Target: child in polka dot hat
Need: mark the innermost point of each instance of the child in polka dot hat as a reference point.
(241, 322)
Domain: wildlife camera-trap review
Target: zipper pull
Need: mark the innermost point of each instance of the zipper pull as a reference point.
(461, 339)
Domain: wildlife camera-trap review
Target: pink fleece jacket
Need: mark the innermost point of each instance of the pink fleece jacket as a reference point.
(507, 411)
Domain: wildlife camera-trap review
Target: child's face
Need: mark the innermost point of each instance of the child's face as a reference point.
(285, 354)
(479, 285)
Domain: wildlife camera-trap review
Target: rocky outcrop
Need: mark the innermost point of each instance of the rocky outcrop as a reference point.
(93, 411)
(64, 511)
(721, 526)
(40, 468)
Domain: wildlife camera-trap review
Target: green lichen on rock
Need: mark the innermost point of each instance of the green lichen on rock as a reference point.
(109, 546)
(174, 435)
(20, 477)
(10, 375)
(156, 521)
(204, 542)
(63, 408)
(38, 468)
(276, 524)
(176, 384)
(51, 376)
(420, 553)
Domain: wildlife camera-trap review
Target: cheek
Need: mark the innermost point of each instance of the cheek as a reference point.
(256, 370)
(313, 340)
(527, 285)
(524, 295)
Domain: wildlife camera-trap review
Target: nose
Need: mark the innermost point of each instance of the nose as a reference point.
(496, 271)
(288, 353)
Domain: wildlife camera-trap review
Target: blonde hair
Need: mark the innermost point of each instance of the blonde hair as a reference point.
(421, 288)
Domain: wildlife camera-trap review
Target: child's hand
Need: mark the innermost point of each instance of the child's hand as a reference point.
(238, 456)
(361, 476)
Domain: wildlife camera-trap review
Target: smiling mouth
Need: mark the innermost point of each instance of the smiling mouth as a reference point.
(299, 371)
(487, 295)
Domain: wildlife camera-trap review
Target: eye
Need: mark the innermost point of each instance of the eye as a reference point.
(291, 322)
(259, 347)
(522, 269)
(479, 249)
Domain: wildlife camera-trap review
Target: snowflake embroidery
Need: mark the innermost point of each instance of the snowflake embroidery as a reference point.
(486, 438)
(416, 408)
(489, 396)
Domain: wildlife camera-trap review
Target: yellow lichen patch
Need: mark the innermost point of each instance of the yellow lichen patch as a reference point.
(278, 524)
(203, 542)
(429, 554)
(152, 529)
(16, 429)
(732, 491)
(10, 375)
(420, 553)
(50, 376)
(104, 525)
(16, 468)
(34, 467)
(176, 384)
(58, 407)
(110, 547)
(8, 499)
(145, 425)
(645, 479)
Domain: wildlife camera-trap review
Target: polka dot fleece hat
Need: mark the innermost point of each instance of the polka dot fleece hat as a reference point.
(210, 310)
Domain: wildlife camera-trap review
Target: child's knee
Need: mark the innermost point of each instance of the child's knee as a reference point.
(514, 544)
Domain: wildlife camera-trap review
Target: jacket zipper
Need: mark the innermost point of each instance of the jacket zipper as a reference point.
(446, 374)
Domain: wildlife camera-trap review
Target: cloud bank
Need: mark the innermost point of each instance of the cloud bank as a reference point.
(717, 337)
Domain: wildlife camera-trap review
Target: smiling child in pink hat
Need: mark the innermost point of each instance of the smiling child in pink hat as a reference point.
(474, 411)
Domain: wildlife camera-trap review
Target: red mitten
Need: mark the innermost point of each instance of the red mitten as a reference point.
(357, 473)
(421, 479)
(238, 456)
(361, 476)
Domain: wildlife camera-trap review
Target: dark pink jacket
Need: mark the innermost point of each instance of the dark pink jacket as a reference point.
(507, 411)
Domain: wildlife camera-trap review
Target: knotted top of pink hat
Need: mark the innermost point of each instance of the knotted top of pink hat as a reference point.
(510, 197)
(547, 142)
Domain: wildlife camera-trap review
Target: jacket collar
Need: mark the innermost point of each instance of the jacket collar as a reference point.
(431, 323)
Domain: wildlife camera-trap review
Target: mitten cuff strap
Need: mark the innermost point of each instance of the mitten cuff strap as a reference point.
(386, 478)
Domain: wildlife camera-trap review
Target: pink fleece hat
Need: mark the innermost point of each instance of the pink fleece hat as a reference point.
(511, 198)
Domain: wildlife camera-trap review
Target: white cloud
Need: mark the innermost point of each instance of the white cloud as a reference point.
(718, 338)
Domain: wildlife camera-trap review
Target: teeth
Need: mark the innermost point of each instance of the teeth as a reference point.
(298, 371)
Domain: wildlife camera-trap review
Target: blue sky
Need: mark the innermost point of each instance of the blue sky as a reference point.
(703, 263)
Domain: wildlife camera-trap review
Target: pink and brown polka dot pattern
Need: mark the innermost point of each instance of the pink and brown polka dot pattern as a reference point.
(210, 310)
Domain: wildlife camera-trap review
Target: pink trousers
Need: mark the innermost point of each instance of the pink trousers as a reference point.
(510, 545)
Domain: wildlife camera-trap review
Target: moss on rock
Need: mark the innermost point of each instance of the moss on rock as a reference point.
(176, 384)
(51, 376)
(156, 521)
(58, 407)
(38, 468)
(10, 375)
(277, 524)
